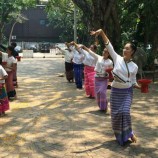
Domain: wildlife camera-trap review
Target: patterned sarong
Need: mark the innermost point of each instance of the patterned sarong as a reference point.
(120, 101)
(4, 103)
(89, 80)
(100, 92)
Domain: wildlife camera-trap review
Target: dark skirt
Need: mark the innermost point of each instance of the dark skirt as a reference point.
(78, 71)
(120, 101)
(9, 85)
(15, 77)
(69, 71)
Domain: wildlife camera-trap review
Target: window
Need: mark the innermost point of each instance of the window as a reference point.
(42, 22)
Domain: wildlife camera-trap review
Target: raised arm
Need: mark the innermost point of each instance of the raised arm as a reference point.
(108, 45)
(90, 52)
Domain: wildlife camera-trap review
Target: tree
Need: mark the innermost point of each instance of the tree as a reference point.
(101, 14)
(19, 18)
(8, 7)
(61, 15)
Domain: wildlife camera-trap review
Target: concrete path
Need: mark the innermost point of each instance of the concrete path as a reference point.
(51, 119)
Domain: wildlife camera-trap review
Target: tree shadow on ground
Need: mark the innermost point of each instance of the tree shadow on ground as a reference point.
(53, 119)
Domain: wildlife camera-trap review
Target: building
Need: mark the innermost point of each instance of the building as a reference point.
(35, 29)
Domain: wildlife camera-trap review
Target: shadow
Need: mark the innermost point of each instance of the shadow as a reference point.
(101, 113)
(53, 119)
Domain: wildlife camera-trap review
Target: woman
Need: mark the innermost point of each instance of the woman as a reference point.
(15, 54)
(124, 72)
(89, 64)
(68, 55)
(4, 103)
(10, 68)
(77, 65)
(101, 77)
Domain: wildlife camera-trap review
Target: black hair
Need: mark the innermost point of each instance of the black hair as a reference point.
(134, 44)
(13, 44)
(94, 47)
(11, 48)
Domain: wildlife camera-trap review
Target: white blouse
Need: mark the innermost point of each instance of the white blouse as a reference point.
(11, 60)
(2, 74)
(68, 55)
(78, 57)
(101, 66)
(120, 71)
(88, 59)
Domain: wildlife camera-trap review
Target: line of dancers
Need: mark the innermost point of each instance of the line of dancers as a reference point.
(79, 59)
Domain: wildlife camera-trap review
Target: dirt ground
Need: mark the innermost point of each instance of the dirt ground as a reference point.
(52, 119)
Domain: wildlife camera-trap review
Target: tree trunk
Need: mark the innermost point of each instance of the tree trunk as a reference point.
(101, 14)
(1, 32)
(11, 32)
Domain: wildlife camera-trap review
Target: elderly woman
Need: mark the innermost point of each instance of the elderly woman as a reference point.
(124, 72)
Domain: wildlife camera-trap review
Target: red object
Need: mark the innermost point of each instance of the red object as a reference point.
(1, 86)
(144, 85)
(18, 58)
(4, 63)
(109, 72)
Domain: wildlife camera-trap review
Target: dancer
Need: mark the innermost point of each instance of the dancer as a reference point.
(124, 71)
(101, 76)
(68, 55)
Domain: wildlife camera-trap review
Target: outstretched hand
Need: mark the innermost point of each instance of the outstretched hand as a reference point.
(96, 33)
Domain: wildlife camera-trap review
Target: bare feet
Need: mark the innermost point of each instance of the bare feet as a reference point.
(134, 138)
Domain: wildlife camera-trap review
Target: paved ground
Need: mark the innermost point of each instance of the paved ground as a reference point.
(51, 119)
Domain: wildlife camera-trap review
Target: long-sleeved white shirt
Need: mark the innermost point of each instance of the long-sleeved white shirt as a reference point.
(120, 70)
(78, 57)
(10, 60)
(101, 64)
(88, 59)
(68, 55)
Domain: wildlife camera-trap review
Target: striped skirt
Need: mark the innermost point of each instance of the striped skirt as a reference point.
(89, 80)
(4, 103)
(100, 92)
(78, 71)
(120, 102)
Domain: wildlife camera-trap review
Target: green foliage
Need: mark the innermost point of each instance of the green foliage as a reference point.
(9, 8)
(61, 15)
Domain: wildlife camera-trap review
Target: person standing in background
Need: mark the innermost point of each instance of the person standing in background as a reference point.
(68, 55)
(4, 103)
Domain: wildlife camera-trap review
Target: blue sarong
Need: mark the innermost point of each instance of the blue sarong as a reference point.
(78, 71)
(121, 100)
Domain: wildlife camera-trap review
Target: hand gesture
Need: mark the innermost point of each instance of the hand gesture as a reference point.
(96, 33)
